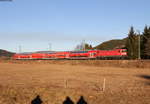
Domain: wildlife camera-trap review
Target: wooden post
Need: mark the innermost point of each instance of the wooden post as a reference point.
(104, 82)
(66, 84)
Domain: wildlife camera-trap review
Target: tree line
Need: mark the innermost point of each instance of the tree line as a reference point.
(138, 44)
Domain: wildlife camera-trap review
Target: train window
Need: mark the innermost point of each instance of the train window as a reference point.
(60, 55)
(124, 50)
(79, 52)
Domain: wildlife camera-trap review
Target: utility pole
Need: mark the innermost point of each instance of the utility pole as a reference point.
(83, 45)
(139, 47)
(50, 47)
(20, 49)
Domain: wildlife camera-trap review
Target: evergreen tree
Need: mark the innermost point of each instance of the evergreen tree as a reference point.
(147, 48)
(132, 44)
(146, 42)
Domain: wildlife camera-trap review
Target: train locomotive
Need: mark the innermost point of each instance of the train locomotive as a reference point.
(88, 54)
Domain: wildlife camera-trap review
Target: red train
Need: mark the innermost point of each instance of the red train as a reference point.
(91, 54)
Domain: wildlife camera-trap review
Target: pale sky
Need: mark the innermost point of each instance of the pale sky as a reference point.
(34, 24)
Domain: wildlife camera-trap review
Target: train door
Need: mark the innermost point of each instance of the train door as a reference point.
(92, 54)
(67, 56)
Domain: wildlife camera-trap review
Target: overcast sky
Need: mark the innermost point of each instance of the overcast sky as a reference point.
(34, 24)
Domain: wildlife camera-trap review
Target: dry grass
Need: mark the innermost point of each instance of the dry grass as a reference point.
(98, 63)
(21, 81)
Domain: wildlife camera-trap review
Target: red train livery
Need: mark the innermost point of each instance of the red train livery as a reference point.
(91, 54)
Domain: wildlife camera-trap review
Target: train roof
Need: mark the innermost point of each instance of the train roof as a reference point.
(51, 52)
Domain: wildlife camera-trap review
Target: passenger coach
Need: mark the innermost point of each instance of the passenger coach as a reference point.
(91, 54)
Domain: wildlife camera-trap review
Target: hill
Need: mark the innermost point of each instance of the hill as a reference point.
(5, 53)
(112, 44)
